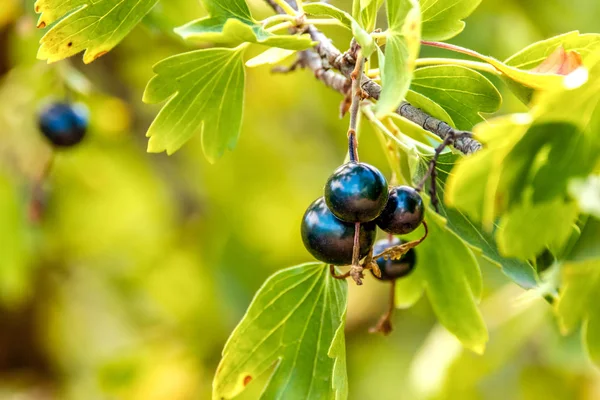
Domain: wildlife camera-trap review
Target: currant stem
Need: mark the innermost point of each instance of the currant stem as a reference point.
(36, 202)
(432, 173)
(356, 270)
(335, 275)
(384, 325)
(355, 107)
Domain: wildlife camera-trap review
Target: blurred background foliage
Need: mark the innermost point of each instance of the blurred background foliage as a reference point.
(141, 265)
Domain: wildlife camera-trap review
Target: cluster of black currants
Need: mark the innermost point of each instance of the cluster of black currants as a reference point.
(63, 124)
(357, 196)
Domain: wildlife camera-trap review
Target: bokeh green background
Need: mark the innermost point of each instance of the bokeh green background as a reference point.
(142, 264)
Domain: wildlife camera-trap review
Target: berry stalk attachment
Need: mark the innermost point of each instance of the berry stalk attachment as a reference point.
(356, 270)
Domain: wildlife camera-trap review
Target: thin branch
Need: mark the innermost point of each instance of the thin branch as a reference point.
(332, 57)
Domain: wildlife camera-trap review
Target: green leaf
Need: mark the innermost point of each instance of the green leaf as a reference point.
(270, 56)
(442, 19)
(544, 81)
(337, 351)
(327, 10)
(545, 158)
(578, 303)
(365, 12)
(579, 106)
(462, 92)
(429, 106)
(587, 193)
(452, 283)
(532, 55)
(295, 328)
(409, 289)
(94, 26)
(361, 35)
(230, 23)
(470, 231)
(205, 89)
(527, 230)
(587, 246)
(403, 41)
(364, 39)
(531, 156)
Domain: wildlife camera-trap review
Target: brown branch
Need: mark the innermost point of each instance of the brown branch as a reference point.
(332, 58)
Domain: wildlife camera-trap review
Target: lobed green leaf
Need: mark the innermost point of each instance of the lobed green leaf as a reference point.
(521, 234)
(94, 26)
(328, 10)
(365, 12)
(205, 89)
(469, 229)
(231, 23)
(295, 328)
(442, 19)
(462, 92)
(453, 284)
(403, 41)
(532, 55)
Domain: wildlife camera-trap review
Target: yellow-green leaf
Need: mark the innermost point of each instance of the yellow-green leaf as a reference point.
(294, 330)
(205, 89)
(442, 19)
(452, 283)
(463, 93)
(94, 26)
(230, 23)
(403, 39)
(522, 235)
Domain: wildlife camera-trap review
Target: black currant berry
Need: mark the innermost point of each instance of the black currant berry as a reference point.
(63, 124)
(331, 240)
(403, 212)
(394, 269)
(356, 192)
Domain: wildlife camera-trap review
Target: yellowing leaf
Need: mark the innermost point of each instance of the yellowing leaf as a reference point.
(535, 54)
(94, 26)
(294, 328)
(205, 89)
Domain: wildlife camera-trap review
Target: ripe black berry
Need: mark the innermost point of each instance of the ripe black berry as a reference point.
(63, 124)
(394, 269)
(356, 192)
(331, 240)
(403, 212)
